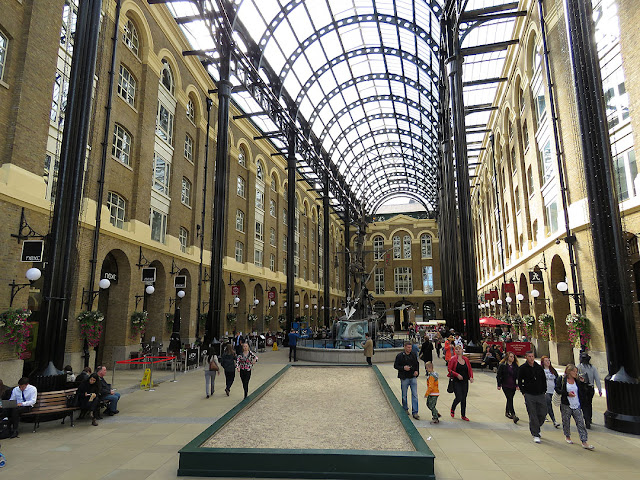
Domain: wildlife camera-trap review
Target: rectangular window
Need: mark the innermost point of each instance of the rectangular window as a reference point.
(121, 146)
(260, 200)
(188, 148)
(304, 229)
(625, 174)
(406, 242)
(272, 237)
(551, 212)
(272, 262)
(164, 124)
(426, 246)
(547, 162)
(272, 208)
(397, 248)
(284, 216)
(4, 44)
(240, 221)
(284, 266)
(517, 199)
(161, 174)
(239, 252)
(378, 248)
(257, 257)
(184, 239)
(530, 181)
(284, 243)
(158, 226)
(259, 230)
(185, 195)
(127, 86)
(241, 187)
(427, 279)
(402, 281)
(117, 207)
(378, 281)
(313, 236)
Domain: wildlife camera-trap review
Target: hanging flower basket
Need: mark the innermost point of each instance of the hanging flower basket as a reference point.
(169, 321)
(16, 330)
(231, 318)
(282, 319)
(138, 324)
(546, 326)
(252, 318)
(579, 330)
(267, 319)
(91, 326)
(529, 322)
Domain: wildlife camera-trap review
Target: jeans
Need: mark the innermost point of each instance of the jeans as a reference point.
(209, 378)
(413, 383)
(509, 393)
(568, 412)
(537, 410)
(587, 406)
(113, 401)
(550, 407)
(229, 377)
(293, 349)
(245, 375)
(460, 389)
(368, 360)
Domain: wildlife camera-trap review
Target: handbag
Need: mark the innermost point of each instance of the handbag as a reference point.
(450, 386)
(213, 366)
(556, 399)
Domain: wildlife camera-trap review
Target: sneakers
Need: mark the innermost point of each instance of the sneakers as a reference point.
(537, 440)
(557, 425)
(515, 419)
(416, 416)
(453, 413)
(465, 419)
(434, 421)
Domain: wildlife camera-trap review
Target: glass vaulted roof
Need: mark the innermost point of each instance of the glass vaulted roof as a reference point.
(363, 76)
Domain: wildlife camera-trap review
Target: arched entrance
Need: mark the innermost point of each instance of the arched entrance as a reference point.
(428, 311)
(523, 290)
(563, 351)
(113, 303)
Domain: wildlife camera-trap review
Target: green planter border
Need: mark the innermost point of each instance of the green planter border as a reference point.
(296, 463)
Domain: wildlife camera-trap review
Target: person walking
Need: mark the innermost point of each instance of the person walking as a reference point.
(433, 392)
(592, 380)
(552, 376)
(461, 372)
(408, 367)
(448, 349)
(293, 344)
(245, 363)
(210, 374)
(438, 343)
(533, 385)
(426, 351)
(573, 390)
(368, 347)
(507, 377)
(228, 363)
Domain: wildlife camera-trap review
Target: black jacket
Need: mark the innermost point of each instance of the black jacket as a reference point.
(561, 389)
(105, 388)
(403, 359)
(426, 351)
(532, 380)
(503, 371)
(228, 362)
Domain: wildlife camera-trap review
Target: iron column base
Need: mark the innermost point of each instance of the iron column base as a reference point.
(623, 403)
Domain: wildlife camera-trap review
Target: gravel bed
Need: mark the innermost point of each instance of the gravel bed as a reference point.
(318, 408)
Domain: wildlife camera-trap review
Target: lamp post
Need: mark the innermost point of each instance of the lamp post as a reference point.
(32, 275)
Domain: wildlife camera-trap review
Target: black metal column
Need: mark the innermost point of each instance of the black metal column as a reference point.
(203, 216)
(325, 247)
(291, 224)
(467, 252)
(347, 254)
(61, 242)
(218, 240)
(623, 387)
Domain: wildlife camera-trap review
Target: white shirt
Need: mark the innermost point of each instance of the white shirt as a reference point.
(551, 380)
(26, 398)
(574, 402)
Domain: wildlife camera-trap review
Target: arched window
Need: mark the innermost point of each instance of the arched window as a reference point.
(397, 247)
(274, 184)
(130, 37)
(537, 85)
(166, 77)
(242, 157)
(426, 248)
(378, 247)
(406, 242)
(259, 171)
(191, 111)
(117, 209)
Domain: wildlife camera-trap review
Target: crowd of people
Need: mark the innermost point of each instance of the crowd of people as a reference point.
(539, 383)
(236, 356)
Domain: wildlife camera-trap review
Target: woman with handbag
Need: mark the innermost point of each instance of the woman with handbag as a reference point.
(461, 373)
(210, 374)
(572, 391)
(552, 377)
(507, 378)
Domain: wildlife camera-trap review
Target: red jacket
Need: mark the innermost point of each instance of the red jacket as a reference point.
(452, 367)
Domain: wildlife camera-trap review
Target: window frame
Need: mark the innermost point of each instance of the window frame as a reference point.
(131, 38)
(241, 187)
(4, 53)
(127, 86)
(185, 197)
(120, 146)
(240, 216)
(183, 238)
(115, 219)
(239, 251)
(188, 148)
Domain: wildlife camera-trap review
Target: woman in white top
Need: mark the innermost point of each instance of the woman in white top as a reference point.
(552, 376)
(572, 389)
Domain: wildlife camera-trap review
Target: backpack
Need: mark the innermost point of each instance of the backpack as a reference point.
(5, 431)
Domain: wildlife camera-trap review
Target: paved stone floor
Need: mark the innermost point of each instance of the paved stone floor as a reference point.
(143, 440)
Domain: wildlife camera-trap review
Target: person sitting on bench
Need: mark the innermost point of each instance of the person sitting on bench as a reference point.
(25, 395)
(107, 394)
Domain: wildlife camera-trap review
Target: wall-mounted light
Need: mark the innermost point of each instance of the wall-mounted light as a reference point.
(150, 289)
(181, 293)
(272, 303)
(519, 297)
(535, 293)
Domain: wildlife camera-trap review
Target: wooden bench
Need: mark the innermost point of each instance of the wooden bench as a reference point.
(51, 406)
(475, 359)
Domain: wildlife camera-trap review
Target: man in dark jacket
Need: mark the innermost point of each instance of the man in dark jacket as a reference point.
(107, 394)
(533, 385)
(408, 370)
